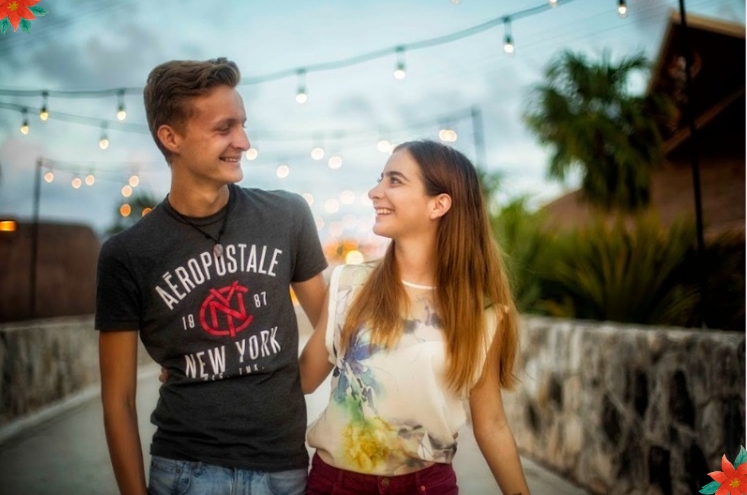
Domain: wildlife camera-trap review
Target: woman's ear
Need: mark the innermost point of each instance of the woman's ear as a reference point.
(169, 138)
(441, 204)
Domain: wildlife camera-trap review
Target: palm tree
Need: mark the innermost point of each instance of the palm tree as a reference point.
(585, 110)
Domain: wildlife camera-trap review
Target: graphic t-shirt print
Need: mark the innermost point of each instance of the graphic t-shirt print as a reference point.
(226, 311)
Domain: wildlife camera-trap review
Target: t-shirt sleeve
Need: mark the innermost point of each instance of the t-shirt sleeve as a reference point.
(309, 257)
(117, 295)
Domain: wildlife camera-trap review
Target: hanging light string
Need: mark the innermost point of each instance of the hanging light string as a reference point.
(319, 67)
(267, 135)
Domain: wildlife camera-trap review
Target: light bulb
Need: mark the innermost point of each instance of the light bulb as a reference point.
(43, 114)
(251, 154)
(103, 143)
(76, 183)
(25, 127)
(49, 177)
(90, 179)
(335, 162)
(317, 153)
(301, 96)
(622, 9)
(134, 181)
(508, 45)
(121, 114)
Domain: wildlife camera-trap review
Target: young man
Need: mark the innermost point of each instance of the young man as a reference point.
(204, 278)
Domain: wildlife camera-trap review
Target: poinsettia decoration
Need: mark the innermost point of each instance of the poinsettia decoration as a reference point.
(732, 479)
(19, 13)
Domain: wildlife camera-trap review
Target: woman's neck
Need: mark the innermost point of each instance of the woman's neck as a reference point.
(416, 262)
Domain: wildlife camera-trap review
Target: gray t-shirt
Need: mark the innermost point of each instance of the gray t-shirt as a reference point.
(224, 327)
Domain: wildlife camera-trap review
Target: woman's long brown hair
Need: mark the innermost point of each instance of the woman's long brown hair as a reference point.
(470, 278)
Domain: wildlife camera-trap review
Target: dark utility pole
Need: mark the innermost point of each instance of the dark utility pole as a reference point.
(35, 240)
(694, 149)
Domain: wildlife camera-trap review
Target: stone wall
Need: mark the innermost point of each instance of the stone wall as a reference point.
(44, 361)
(629, 409)
(615, 408)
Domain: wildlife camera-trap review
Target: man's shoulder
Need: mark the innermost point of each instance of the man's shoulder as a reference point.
(142, 228)
(277, 199)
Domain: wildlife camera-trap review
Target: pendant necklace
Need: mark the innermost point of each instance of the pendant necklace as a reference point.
(217, 247)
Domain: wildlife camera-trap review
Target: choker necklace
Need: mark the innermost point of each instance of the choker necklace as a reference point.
(217, 247)
(417, 286)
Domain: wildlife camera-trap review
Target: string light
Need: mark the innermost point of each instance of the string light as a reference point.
(121, 113)
(43, 113)
(125, 210)
(447, 134)
(301, 96)
(283, 171)
(126, 191)
(508, 41)
(25, 123)
(553, 3)
(90, 179)
(252, 153)
(134, 180)
(622, 8)
(49, 177)
(335, 162)
(76, 182)
(399, 71)
(104, 140)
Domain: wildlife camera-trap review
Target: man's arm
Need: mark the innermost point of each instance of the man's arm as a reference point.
(314, 361)
(310, 294)
(118, 364)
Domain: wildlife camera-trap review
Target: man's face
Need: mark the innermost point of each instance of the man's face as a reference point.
(212, 140)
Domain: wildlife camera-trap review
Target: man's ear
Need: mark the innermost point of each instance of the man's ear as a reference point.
(441, 204)
(169, 137)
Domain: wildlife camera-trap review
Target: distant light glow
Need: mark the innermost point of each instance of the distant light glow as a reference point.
(283, 171)
(76, 183)
(335, 229)
(349, 221)
(335, 162)
(309, 198)
(354, 257)
(331, 206)
(317, 153)
(447, 135)
(319, 223)
(49, 177)
(134, 181)
(126, 191)
(103, 143)
(251, 154)
(384, 146)
(125, 210)
(8, 226)
(347, 197)
(146, 210)
(90, 179)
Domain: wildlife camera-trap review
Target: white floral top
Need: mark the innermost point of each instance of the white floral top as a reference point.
(389, 412)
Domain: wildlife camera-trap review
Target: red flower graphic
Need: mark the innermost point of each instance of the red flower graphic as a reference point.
(15, 10)
(733, 481)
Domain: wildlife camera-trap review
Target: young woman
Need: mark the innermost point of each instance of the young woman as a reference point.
(413, 337)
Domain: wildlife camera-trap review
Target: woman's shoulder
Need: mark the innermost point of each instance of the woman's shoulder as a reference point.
(352, 275)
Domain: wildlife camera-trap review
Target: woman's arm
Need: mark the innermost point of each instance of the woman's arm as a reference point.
(492, 431)
(314, 362)
(118, 364)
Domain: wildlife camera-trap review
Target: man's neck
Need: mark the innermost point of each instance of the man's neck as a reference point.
(198, 202)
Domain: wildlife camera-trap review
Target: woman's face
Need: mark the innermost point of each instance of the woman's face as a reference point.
(403, 208)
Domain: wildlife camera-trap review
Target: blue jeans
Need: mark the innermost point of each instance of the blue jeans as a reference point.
(170, 477)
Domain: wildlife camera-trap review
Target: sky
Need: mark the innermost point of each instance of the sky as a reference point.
(89, 45)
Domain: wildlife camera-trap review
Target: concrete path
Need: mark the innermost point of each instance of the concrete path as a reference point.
(63, 450)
